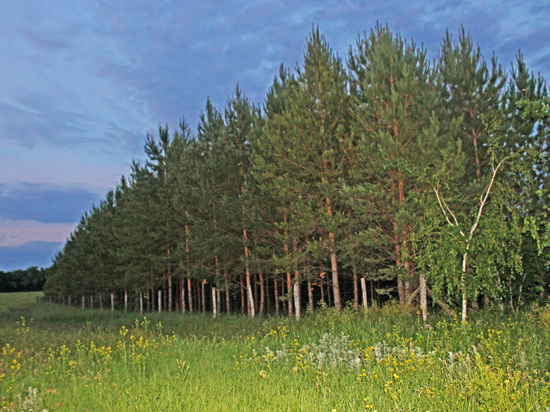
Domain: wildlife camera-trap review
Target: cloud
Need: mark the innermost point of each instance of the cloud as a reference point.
(83, 82)
(30, 254)
(44, 204)
(19, 232)
(83, 168)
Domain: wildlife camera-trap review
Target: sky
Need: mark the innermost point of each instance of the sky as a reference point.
(82, 82)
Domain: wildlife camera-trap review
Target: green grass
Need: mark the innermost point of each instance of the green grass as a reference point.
(68, 359)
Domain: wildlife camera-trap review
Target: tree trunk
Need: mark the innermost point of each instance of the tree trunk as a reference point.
(125, 300)
(250, 298)
(251, 310)
(356, 289)
(364, 293)
(463, 286)
(83, 302)
(310, 296)
(214, 303)
(227, 292)
(372, 292)
(423, 299)
(334, 267)
(243, 296)
(140, 302)
(203, 296)
(182, 295)
(262, 295)
(112, 301)
(267, 295)
(276, 290)
(322, 286)
(190, 294)
(297, 305)
(169, 291)
(289, 294)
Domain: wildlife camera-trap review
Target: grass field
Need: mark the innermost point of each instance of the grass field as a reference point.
(56, 358)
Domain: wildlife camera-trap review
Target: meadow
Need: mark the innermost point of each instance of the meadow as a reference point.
(57, 358)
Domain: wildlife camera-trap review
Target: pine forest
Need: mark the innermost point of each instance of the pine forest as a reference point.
(384, 175)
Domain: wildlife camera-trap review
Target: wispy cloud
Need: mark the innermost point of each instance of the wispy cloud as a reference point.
(44, 204)
(19, 232)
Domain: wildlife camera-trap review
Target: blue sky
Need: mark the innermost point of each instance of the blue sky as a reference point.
(82, 82)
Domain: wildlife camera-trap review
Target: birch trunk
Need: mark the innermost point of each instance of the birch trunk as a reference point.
(297, 305)
(214, 303)
(423, 299)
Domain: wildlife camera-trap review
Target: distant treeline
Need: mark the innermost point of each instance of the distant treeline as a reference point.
(28, 280)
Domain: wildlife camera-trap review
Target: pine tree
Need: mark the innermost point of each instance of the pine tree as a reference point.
(308, 142)
(396, 101)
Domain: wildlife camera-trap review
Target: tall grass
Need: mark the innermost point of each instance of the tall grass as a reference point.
(67, 359)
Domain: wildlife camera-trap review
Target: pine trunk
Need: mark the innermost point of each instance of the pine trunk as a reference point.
(364, 293)
(182, 295)
(214, 303)
(262, 295)
(289, 294)
(355, 289)
(169, 291)
(227, 292)
(310, 295)
(190, 294)
(203, 296)
(160, 300)
(276, 290)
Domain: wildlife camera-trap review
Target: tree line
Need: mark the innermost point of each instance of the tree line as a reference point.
(384, 175)
(27, 280)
